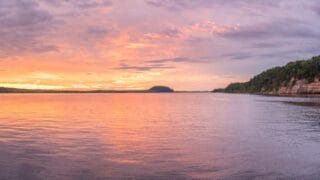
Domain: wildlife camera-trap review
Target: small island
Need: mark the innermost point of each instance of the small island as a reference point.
(160, 89)
(295, 78)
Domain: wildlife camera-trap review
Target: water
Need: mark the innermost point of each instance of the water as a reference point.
(158, 136)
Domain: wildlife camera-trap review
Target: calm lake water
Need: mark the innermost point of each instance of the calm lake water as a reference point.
(158, 136)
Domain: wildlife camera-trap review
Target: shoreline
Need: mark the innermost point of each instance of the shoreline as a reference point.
(274, 95)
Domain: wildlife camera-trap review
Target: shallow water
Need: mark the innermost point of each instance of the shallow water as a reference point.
(158, 136)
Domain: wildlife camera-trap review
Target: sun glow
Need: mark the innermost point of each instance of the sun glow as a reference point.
(31, 86)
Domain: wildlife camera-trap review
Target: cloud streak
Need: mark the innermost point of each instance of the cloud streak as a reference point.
(175, 5)
(88, 4)
(124, 66)
(278, 29)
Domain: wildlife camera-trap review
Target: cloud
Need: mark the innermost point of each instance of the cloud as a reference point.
(124, 66)
(93, 4)
(45, 48)
(178, 60)
(87, 4)
(262, 45)
(21, 14)
(22, 24)
(191, 4)
(286, 28)
(161, 63)
(170, 32)
(194, 32)
(239, 55)
(290, 53)
(172, 5)
(316, 9)
(275, 39)
(97, 32)
(26, 26)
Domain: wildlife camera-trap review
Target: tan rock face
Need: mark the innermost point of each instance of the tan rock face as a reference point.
(300, 87)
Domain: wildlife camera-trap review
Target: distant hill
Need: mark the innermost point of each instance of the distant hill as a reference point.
(160, 89)
(299, 77)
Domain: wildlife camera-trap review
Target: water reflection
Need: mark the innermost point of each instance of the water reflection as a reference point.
(156, 136)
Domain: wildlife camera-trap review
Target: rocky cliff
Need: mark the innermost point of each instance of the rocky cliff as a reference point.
(300, 87)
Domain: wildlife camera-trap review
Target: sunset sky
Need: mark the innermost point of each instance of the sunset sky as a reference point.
(135, 44)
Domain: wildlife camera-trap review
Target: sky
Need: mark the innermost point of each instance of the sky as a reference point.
(135, 44)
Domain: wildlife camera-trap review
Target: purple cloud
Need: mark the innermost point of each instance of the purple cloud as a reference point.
(317, 9)
(178, 59)
(81, 4)
(22, 23)
(190, 4)
(277, 29)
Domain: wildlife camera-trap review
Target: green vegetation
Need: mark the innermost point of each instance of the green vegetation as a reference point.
(274, 78)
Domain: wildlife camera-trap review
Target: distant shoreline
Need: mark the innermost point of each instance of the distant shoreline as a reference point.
(102, 92)
(154, 89)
